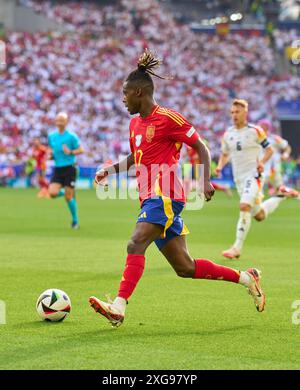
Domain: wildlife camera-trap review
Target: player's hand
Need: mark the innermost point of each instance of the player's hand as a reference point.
(260, 167)
(208, 191)
(66, 150)
(217, 172)
(100, 175)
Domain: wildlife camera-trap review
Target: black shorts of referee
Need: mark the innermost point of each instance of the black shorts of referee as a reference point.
(65, 176)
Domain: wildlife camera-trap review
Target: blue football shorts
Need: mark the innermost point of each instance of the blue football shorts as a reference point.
(166, 212)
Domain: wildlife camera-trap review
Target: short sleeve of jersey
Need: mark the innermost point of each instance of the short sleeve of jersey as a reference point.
(75, 141)
(181, 130)
(224, 145)
(261, 137)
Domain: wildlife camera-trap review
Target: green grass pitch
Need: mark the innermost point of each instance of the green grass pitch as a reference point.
(171, 323)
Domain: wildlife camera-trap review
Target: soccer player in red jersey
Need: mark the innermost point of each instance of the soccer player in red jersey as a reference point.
(156, 137)
(40, 154)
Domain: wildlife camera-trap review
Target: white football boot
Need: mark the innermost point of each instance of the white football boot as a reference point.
(231, 253)
(108, 311)
(255, 289)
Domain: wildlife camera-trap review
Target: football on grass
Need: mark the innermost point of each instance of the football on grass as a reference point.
(53, 305)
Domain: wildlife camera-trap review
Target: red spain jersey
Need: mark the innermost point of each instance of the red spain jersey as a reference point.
(156, 142)
(193, 155)
(40, 155)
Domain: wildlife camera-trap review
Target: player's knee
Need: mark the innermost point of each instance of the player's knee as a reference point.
(245, 207)
(130, 246)
(137, 245)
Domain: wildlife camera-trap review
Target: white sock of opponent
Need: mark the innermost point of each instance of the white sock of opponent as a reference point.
(270, 205)
(242, 229)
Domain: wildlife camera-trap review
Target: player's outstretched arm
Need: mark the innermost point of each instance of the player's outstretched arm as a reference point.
(266, 157)
(122, 166)
(223, 160)
(74, 152)
(205, 159)
(78, 151)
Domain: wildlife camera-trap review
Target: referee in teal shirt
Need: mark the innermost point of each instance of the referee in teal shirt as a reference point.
(65, 146)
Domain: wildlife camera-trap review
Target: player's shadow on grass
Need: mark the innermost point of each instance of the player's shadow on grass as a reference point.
(38, 324)
(123, 333)
(167, 333)
(101, 337)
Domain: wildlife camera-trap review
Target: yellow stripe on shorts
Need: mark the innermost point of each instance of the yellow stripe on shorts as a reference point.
(184, 230)
(169, 213)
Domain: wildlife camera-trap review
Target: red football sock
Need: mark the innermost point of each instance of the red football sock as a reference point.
(134, 268)
(206, 269)
(43, 183)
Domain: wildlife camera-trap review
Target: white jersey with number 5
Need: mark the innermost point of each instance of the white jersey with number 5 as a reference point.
(244, 147)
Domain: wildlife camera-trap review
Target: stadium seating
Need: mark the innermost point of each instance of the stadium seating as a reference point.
(82, 72)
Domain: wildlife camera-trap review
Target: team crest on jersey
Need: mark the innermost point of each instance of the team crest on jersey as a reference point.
(138, 140)
(150, 132)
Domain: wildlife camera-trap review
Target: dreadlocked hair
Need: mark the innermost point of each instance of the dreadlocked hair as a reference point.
(146, 63)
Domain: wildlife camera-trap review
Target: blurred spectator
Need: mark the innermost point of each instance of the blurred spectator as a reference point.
(29, 170)
(7, 174)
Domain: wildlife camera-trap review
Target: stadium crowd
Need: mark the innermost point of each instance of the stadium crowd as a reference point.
(82, 71)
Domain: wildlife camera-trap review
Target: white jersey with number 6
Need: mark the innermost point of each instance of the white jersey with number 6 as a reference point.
(244, 147)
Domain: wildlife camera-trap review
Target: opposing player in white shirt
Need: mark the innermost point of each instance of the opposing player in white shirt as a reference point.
(282, 151)
(243, 144)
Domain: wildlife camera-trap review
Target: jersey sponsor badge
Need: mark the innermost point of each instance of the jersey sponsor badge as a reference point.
(150, 132)
(138, 140)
